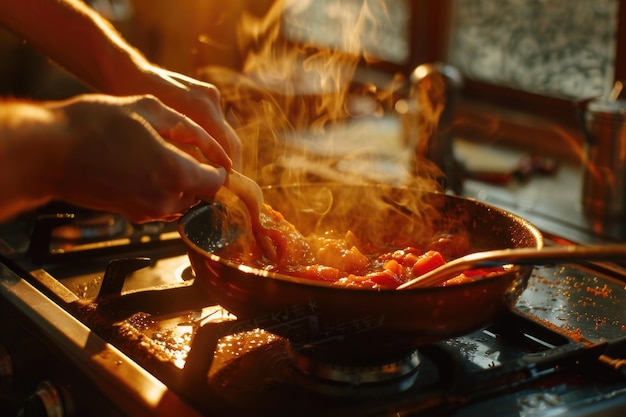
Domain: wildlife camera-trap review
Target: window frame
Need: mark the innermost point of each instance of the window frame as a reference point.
(506, 114)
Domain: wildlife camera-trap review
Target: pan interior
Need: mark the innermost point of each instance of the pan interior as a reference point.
(376, 214)
(346, 321)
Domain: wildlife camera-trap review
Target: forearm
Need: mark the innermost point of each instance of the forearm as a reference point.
(79, 39)
(28, 157)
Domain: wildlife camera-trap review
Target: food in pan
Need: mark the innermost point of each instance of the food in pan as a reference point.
(348, 321)
(347, 261)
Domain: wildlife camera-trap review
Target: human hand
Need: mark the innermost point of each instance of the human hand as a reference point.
(111, 156)
(90, 48)
(195, 99)
(121, 148)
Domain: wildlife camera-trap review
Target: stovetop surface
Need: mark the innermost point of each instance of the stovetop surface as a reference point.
(551, 356)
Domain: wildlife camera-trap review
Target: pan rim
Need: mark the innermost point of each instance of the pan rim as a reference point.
(255, 272)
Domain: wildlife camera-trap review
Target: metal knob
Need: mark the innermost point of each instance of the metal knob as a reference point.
(47, 401)
(7, 370)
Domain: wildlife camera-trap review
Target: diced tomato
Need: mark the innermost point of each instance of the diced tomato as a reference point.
(356, 281)
(483, 272)
(427, 262)
(394, 267)
(386, 256)
(413, 250)
(459, 279)
(451, 246)
(317, 272)
(385, 279)
(479, 272)
(409, 259)
(398, 255)
(406, 257)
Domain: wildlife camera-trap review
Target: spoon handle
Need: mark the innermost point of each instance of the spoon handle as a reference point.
(517, 256)
(248, 191)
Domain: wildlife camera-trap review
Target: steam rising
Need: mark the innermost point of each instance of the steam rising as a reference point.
(288, 88)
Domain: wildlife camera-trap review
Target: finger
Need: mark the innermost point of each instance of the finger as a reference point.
(235, 147)
(202, 103)
(206, 181)
(170, 208)
(216, 125)
(187, 200)
(191, 182)
(175, 127)
(185, 131)
(175, 193)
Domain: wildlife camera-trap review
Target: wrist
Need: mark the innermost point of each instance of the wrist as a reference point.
(147, 78)
(124, 70)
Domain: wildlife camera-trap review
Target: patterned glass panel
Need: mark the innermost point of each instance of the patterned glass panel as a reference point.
(376, 28)
(550, 47)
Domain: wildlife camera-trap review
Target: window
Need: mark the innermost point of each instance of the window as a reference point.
(530, 63)
(560, 48)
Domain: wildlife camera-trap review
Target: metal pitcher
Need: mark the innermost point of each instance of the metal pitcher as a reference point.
(428, 121)
(604, 174)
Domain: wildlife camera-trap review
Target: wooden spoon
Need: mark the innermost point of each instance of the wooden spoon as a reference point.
(518, 256)
(242, 186)
(248, 191)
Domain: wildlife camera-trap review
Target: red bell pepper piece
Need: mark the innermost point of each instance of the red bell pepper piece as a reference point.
(427, 262)
(385, 279)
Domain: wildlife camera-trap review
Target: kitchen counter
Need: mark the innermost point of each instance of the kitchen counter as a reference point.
(551, 202)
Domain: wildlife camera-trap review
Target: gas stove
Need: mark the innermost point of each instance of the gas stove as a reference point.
(102, 317)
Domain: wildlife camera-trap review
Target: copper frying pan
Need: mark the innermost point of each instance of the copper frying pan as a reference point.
(358, 322)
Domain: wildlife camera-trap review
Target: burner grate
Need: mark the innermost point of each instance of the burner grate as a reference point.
(211, 359)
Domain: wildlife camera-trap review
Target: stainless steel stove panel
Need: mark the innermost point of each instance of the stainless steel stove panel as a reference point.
(178, 354)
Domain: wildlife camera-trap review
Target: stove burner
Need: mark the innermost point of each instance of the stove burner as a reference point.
(184, 273)
(543, 358)
(387, 375)
(95, 227)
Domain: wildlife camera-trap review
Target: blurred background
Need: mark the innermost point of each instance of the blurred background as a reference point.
(528, 56)
(309, 77)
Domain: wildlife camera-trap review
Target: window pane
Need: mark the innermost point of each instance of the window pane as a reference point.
(377, 29)
(550, 47)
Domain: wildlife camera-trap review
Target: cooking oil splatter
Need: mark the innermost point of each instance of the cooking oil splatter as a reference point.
(233, 346)
(162, 340)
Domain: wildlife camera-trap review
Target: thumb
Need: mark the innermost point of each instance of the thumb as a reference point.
(205, 181)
